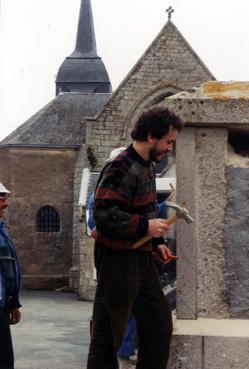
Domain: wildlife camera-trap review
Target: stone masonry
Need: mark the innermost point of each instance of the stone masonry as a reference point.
(169, 65)
(212, 324)
(36, 178)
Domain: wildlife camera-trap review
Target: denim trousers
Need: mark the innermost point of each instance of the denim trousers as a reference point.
(128, 344)
(6, 349)
(128, 283)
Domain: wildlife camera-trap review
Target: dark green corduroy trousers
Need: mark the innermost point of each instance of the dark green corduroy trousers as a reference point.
(128, 282)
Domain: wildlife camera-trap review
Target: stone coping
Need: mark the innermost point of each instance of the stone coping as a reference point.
(214, 103)
(212, 327)
(217, 90)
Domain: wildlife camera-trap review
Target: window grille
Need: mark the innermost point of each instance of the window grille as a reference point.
(48, 220)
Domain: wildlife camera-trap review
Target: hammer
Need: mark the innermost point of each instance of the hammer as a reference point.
(180, 212)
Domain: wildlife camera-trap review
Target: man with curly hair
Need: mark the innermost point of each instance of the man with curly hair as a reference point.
(124, 212)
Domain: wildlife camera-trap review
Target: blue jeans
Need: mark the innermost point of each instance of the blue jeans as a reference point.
(127, 347)
(128, 282)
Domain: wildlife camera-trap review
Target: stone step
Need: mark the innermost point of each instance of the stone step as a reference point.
(212, 327)
(210, 344)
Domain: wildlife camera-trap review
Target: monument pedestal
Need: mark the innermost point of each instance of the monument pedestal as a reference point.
(210, 344)
(212, 170)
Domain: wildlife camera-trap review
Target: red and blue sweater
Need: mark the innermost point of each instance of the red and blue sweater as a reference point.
(125, 199)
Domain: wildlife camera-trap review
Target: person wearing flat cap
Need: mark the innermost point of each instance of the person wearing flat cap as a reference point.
(10, 278)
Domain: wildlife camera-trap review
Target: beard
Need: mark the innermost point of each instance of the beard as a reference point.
(156, 155)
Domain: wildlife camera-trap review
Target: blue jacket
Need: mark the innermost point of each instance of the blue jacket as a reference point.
(7, 243)
(90, 221)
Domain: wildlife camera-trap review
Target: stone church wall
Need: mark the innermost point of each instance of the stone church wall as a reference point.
(169, 65)
(5, 168)
(45, 257)
(81, 276)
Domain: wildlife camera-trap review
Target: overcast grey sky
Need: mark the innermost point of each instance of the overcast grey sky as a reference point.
(37, 35)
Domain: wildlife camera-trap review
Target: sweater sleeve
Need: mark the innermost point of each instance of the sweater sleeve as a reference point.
(112, 206)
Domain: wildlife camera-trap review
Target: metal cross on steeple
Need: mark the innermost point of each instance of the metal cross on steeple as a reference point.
(170, 10)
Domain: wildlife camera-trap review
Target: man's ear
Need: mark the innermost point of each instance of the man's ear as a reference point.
(151, 140)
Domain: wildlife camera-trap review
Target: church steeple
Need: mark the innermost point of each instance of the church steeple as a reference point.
(84, 70)
(85, 43)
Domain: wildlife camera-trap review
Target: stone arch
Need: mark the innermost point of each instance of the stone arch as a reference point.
(152, 98)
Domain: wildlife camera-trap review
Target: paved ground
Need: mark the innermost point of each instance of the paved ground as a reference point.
(54, 332)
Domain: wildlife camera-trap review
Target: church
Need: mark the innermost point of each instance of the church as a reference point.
(42, 161)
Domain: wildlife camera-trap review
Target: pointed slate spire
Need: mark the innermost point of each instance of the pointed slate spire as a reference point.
(85, 43)
(84, 70)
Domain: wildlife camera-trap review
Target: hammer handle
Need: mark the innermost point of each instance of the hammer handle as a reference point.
(147, 238)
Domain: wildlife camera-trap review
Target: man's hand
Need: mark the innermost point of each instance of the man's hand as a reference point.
(15, 316)
(157, 227)
(165, 253)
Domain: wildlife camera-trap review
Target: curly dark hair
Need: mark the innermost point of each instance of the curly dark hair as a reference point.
(157, 122)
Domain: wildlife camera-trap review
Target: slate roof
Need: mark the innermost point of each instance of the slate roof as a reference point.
(59, 123)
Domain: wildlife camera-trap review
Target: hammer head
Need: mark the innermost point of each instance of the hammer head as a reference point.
(180, 211)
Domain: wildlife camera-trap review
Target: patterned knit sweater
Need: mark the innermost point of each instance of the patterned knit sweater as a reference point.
(125, 199)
